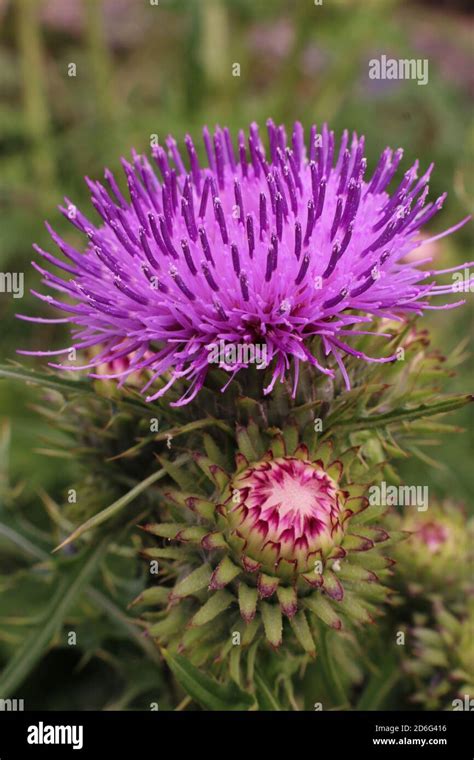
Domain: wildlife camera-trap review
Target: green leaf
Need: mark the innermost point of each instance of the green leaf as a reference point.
(213, 451)
(331, 670)
(59, 383)
(54, 382)
(380, 685)
(405, 415)
(183, 479)
(5, 439)
(265, 694)
(75, 577)
(117, 506)
(120, 620)
(205, 690)
(22, 542)
(234, 664)
(190, 427)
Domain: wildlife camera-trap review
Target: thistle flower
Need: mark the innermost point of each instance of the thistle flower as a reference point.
(438, 555)
(292, 248)
(287, 534)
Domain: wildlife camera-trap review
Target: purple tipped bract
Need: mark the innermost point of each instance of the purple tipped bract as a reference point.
(290, 248)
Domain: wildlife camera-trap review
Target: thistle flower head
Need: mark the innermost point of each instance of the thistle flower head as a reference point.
(437, 555)
(288, 508)
(291, 247)
(288, 534)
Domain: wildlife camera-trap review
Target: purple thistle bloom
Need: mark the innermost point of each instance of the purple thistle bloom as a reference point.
(271, 248)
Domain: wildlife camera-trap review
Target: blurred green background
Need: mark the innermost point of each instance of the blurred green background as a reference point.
(143, 69)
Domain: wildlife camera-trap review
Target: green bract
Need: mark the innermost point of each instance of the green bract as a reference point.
(442, 659)
(268, 550)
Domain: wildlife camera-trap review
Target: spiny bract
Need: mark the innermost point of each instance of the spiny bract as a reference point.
(288, 533)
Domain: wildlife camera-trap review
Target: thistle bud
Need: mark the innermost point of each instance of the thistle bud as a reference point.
(285, 541)
(438, 553)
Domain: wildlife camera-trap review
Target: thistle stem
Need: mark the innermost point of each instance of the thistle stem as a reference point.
(100, 62)
(36, 114)
(183, 704)
(330, 676)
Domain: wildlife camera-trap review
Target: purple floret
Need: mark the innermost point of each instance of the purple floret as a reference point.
(261, 247)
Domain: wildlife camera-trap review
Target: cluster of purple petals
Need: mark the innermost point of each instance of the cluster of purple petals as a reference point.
(275, 246)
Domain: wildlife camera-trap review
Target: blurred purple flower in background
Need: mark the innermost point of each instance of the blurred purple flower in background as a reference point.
(125, 22)
(273, 40)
